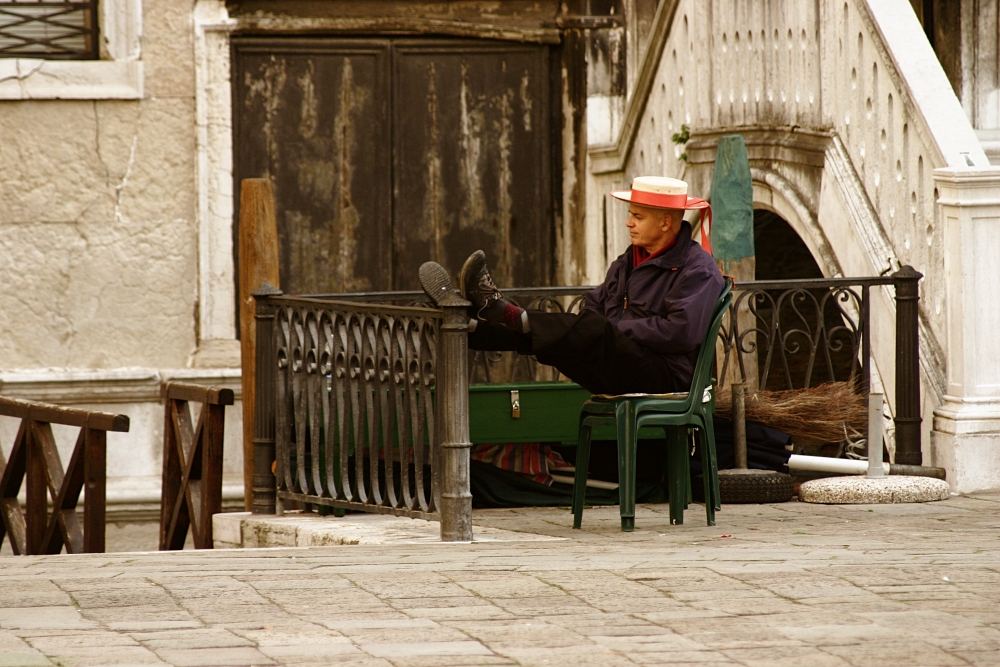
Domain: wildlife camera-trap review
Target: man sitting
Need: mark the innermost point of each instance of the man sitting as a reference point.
(639, 331)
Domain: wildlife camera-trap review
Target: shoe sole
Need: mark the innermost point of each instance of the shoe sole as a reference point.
(434, 280)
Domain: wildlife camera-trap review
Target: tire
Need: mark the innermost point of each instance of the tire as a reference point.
(775, 487)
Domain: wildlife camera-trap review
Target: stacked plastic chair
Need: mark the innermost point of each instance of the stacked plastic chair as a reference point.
(676, 413)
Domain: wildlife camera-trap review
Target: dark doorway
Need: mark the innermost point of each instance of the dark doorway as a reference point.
(781, 254)
(386, 153)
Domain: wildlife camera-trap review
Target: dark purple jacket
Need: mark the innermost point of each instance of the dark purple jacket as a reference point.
(666, 303)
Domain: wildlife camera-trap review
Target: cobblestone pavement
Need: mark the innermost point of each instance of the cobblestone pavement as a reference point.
(788, 584)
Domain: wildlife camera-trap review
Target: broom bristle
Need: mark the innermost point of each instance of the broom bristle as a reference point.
(818, 412)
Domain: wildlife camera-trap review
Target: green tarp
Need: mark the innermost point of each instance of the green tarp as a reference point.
(732, 201)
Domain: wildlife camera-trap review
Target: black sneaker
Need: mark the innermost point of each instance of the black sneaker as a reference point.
(478, 288)
(435, 281)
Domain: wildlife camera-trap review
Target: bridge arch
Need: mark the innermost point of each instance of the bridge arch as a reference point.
(774, 193)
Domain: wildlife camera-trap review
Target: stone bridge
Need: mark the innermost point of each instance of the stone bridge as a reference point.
(857, 140)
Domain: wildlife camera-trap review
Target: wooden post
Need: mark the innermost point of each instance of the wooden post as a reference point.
(95, 463)
(258, 264)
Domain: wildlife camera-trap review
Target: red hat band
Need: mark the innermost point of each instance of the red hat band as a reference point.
(657, 199)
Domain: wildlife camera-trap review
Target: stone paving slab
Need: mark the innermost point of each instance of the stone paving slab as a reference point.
(787, 584)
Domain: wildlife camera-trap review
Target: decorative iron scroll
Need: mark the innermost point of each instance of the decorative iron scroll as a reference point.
(793, 338)
(354, 422)
(54, 30)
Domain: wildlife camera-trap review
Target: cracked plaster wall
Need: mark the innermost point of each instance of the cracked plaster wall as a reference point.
(98, 230)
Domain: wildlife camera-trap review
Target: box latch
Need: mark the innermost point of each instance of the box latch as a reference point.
(515, 404)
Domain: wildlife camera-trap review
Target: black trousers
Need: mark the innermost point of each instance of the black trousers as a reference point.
(588, 349)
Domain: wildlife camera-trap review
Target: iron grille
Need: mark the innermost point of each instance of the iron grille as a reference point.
(355, 417)
(64, 30)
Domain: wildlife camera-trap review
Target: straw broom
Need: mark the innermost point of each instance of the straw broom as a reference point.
(818, 412)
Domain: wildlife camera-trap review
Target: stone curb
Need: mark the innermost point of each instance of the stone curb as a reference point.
(249, 531)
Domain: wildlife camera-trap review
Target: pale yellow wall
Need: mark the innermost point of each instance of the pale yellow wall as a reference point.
(98, 236)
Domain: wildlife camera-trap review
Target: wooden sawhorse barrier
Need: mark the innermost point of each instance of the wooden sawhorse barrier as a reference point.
(35, 457)
(192, 463)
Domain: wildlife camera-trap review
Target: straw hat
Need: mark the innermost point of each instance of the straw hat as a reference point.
(665, 192)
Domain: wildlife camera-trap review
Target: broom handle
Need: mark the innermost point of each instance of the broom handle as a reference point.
(739, 425)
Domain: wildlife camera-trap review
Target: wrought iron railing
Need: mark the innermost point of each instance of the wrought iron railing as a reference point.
(362, 399)
(779, 334)
(355, 393)
(53, 29)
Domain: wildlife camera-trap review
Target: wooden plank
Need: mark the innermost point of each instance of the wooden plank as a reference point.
(195, 505)
(183, 430)
(46, 444)
(191, 480)
(70, 523)
(171, 490)
(13, 471)
(197, 393)
(180, 519)
(64, 526)
(36, 502)
(211, 474)
(258, 264)
(55, 414)
(95, 502)
(11, 518)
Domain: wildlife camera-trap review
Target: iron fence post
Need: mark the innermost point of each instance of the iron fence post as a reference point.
(907, 366)
(263, 428)
(453, 408)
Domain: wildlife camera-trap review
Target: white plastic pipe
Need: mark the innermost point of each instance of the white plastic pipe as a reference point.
(826, 464)
(875, 436)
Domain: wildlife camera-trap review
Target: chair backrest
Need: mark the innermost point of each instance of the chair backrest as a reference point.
(706, 355)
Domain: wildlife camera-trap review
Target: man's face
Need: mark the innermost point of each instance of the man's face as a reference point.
(650, 228)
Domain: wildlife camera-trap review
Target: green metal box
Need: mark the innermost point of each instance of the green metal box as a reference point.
(537, 412)
(544, 412)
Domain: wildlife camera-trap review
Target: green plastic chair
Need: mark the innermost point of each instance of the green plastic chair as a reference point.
(676, 413)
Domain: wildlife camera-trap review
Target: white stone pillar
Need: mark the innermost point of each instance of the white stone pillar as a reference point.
(966, 435)
(217, 343)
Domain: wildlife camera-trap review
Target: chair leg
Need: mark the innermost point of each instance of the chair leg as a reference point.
(709, 432)
(627, 436)
(709, 479)
(689, 498)
(580, 478)
(676, 487)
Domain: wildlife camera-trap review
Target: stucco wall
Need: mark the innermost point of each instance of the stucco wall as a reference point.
(97, 233)
(98, 243)
(99, 237)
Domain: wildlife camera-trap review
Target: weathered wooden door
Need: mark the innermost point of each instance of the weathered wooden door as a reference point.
(387, 153)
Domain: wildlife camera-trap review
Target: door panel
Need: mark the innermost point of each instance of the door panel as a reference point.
(470, 158)
(313, 115)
